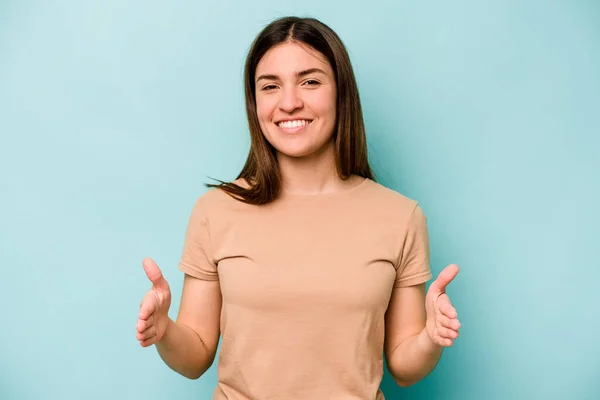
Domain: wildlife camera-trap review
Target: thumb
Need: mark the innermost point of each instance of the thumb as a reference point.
(154, 274)
(444, 278)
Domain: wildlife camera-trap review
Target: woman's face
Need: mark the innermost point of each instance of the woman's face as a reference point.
(296, 99)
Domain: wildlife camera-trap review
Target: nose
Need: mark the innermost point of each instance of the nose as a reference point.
(290, 100)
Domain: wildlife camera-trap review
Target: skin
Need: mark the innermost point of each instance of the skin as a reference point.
(294, 82)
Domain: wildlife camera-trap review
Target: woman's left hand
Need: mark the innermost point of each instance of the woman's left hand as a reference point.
(442, 323)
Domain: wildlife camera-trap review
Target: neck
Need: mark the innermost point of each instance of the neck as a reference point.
(313, 174)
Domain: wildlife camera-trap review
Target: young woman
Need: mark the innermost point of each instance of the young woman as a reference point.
(305, 267)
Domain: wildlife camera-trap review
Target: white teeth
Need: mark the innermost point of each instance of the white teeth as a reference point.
(293, 124)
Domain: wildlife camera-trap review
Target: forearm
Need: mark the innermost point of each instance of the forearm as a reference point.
(183, 351)
(414, 359)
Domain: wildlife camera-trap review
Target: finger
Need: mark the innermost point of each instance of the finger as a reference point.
(148, 306)
(444, 278)
(154, 274)
(442, 341)
(450, 312)
(142, 324)
(450, 323)
(445, 307)
(148, 342)
(147, 334)
(446, 333)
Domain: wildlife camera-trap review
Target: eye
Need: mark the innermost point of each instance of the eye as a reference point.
(312, 82)
(269, 88)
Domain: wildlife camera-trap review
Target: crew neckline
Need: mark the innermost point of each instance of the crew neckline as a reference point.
(339, 193)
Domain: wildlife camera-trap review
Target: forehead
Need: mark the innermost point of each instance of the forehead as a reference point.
(291, 57)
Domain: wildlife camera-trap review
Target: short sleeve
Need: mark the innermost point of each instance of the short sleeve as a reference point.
(197, 257)
(414, 268)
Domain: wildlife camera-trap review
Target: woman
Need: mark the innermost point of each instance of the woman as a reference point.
(305, 266)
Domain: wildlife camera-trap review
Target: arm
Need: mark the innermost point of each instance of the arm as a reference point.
(418, 327)
(190, 343)
(410, 354)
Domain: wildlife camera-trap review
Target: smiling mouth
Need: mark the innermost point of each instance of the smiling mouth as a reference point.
(293, 126)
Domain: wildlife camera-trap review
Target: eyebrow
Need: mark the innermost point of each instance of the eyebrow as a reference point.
(300, 74)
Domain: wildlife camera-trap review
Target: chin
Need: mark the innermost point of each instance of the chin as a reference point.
(300, 150)
(298, 146)
(296, 152)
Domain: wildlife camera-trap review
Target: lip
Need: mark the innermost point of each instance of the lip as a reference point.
(292, 119)
(295, 129)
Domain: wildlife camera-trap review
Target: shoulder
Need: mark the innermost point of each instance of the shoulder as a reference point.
(390, 199)
(216, 200)
(398, 210)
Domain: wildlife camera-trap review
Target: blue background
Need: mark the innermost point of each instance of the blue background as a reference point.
(113, 114)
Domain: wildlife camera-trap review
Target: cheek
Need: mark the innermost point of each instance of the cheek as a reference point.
(264, 109)
(327, 105)
(333, 103)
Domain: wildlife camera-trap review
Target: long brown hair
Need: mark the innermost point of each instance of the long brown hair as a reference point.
(261, 170)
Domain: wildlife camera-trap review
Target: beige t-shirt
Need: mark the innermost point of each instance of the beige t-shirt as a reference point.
(306, 282)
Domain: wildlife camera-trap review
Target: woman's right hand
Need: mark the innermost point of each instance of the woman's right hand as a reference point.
(153, 317)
